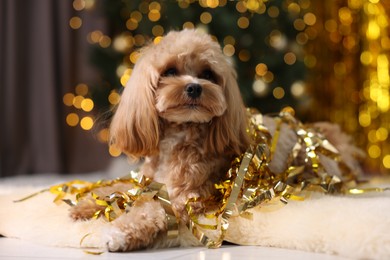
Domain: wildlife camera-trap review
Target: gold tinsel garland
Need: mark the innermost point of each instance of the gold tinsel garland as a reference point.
(349, 79)
(249, 182)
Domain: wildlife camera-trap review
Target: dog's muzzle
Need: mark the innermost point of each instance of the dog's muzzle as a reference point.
(193, 90)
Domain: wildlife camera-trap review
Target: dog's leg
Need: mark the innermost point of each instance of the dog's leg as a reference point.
(139, 228)
(87, 207)
(84, 210)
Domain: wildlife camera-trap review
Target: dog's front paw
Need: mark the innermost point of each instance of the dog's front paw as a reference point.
(116, 240)
(137, 229)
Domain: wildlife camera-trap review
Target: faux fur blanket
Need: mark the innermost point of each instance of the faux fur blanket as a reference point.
(357, 227)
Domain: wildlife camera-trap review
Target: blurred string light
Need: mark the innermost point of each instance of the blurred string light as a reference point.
(356, 32)
(374, 114)
(152, 11)
(79, 102)
(342, 31)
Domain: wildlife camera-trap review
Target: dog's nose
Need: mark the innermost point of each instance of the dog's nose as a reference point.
(194, 90)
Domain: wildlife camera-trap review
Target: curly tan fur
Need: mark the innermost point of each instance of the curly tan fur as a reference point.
(187, 143)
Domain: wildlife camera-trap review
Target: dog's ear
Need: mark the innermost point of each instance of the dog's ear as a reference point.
(135, 126)
(229, 131)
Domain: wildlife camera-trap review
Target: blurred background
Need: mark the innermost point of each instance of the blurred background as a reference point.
(63, 65)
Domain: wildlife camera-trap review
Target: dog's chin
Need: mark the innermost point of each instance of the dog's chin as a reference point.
(189, 113)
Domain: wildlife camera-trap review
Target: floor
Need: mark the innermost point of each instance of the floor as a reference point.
(17, 249)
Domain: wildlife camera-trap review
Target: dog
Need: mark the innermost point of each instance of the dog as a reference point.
(181, 112)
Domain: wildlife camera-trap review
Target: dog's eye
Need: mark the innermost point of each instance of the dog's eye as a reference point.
(208, 75)
(170, 72)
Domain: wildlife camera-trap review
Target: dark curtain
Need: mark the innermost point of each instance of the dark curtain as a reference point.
(42, 58)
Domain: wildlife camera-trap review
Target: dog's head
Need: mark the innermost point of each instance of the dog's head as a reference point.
(185, 78)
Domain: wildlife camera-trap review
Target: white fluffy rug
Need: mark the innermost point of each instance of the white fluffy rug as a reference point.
(357, 227)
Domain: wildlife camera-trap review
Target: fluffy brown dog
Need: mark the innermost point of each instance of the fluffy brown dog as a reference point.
(183, 113)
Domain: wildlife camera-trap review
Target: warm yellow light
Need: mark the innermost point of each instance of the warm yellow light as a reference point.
(94, 36)
(158, 30)
(114, 152)
(81, 89)
(72, 119)
(124, 79)
(77, 101)
(289, 110)
(371, 9)
(136, 15)
(297, 89)
(364, 119)
(68, 99)
(252, 5)
(382, 134)
(372, 136)
(134, 56)
(128, 71)
(278, 92)
(331, 25)
(355, 4)
(78, 5)
(310, 19)
(273, 11)
(240, 7)
(366, 58)
(386, 161)
(302, 38)
(120, 70)
(188, 25)
(260, 88)
(290, 58)
(114, 98)
(154, 15)
(277, 40)
(383, 69)
(184, 3)
(268, 77)
(294, 8)
(132, 24)
(123, 42)
(105, 41)
(229, 40)
(299, 24)
(243, 22)
(244, 55)
(87, 104)
(86, 123)
(75, 22)
(374, 151)
(229, 50)
(261, 69)
(89, 4)
(345, 15)
(205, 17)
(373, 30)
(210, 3)
(103, 135)
(157, 39)
(154, 6)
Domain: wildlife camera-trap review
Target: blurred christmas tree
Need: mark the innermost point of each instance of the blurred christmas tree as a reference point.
(263, 38)
(344, 45)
